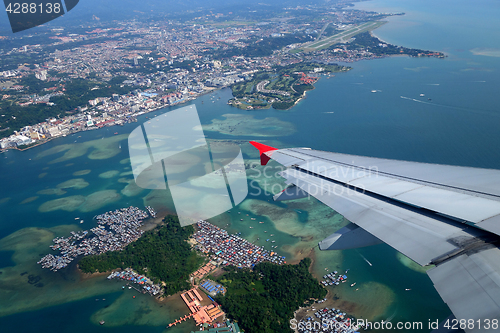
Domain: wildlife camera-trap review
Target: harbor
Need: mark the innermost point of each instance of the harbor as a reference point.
(202, 314)
(332, 279)
(114, 230)
(326, 320)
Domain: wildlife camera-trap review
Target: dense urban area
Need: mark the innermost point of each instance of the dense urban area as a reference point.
(101, 73)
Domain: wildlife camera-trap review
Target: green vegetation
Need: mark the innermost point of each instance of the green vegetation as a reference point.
(161, 254)
(330, 31)
(284, 88)
(260, 47)
(300, 88)
(374, 45)
(343, 36)
(263, 300)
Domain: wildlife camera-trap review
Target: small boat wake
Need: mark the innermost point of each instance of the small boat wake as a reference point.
(484, 112)
(391, 317)
(362, 256)
(417, 100)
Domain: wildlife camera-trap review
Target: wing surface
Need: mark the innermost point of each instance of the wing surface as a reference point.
(470, 285)
(462, 193)
(448, 216)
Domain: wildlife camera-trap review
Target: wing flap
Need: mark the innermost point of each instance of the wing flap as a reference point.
(419, 237)
(464, 203)
(470, 285)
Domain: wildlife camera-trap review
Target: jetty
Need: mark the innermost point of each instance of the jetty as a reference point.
(200, 313)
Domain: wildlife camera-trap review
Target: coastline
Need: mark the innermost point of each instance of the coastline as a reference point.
(188, 99)
(372, 33)
(87, 276)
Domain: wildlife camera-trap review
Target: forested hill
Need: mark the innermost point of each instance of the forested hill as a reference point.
(162, 254)
(263, 300)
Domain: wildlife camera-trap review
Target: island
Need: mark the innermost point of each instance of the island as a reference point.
(162, 254)
(264, 299)
(223, 279)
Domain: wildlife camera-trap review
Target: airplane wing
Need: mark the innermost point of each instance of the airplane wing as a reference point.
(441, 215)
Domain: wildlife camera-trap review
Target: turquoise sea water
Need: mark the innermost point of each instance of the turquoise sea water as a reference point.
(458, 125)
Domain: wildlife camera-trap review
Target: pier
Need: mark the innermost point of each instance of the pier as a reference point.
(200, 313)
(181, 319)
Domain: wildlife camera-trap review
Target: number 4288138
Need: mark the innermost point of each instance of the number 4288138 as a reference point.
(33, 8)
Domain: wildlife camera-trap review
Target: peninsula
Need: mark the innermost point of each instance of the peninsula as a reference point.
(71, 79)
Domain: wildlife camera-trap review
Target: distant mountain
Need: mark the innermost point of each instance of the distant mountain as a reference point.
(106, 10)
(119, 9)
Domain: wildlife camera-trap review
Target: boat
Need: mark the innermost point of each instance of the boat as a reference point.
(273, 242)
(422, 95)
(116, 133)
(374, 91)
(407, 289)
(81, 221)
(102, 322)
(261, 222)
(77, 218)
(353, 284)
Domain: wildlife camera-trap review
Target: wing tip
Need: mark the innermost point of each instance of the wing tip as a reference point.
(262, 150)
